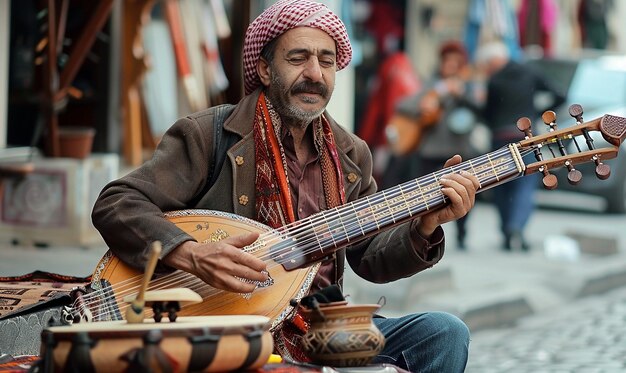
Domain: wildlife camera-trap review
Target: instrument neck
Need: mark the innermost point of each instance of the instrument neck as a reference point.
(333, 229)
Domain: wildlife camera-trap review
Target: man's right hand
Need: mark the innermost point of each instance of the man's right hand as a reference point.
(221, 264)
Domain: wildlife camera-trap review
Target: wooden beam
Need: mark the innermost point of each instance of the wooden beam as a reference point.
(84, 44)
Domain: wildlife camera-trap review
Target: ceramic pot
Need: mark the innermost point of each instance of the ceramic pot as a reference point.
(342, 335)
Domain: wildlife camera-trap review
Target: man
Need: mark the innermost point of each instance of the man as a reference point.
(511, 91)
(292, 159)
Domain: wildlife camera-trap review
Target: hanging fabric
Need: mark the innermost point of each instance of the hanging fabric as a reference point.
(566, 37)
(159, 83)
(537, 20)
(213, 28)
(593, 25)
(489, 20)
(191, 20)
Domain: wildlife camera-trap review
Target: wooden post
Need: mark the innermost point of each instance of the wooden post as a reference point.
(5, 27)
(135, 14)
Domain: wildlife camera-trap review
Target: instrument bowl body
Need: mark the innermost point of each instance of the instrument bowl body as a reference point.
(272, 301)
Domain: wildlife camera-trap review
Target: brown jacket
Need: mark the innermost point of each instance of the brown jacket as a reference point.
(129, 211)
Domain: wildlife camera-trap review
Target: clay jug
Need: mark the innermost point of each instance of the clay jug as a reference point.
(342, 335)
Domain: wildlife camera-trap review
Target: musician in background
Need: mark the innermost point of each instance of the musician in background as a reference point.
(450, 100)
(291, 159)
(512, 88)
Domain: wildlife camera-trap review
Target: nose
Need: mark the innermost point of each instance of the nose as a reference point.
(313, 70)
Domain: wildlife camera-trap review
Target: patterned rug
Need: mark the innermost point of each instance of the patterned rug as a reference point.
(20, 293)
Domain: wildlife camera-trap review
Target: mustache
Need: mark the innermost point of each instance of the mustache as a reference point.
(310, 87)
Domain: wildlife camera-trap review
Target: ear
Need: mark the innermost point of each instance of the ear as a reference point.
(263, 70)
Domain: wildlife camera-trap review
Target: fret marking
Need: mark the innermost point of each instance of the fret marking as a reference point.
(315, 229)
(373, 212)
(388, 205)
(357, 219)
(342, 225)
(408, 207)
(413, 194)
(329, 229)
(493, 167)
(480, 183)
(422, 192)
(439, 190)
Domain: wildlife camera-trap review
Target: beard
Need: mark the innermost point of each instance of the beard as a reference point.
(291, 114)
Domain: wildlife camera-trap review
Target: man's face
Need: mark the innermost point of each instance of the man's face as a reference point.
(302, 74)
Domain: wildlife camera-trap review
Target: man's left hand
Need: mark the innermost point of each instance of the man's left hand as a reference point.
(460, 189)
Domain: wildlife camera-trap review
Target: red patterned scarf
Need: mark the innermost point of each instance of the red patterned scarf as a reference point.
(274, 206)
(273, 198)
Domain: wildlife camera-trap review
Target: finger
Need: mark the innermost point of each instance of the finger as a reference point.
(242, 240)
(237, 256)
(457, 194)
(241, 256)
(249, 261)
(232, 283)
(247, 273)
(461, 192)
(456, 159)
(465, 178)
(470, 176)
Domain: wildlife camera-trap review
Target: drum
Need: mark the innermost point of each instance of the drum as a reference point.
(192, 343)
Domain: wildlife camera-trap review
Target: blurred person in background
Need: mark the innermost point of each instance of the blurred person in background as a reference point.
(395, 80)
(511, 91)
(450, 102)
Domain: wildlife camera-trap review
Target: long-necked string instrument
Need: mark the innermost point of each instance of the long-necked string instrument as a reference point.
(291, 250)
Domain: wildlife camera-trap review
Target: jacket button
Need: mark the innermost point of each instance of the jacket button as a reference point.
(239, 160)
(243, 199)
(352, 177)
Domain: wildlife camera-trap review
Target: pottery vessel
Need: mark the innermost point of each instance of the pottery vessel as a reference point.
(342, 335)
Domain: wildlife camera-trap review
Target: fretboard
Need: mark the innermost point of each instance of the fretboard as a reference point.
(321, 234)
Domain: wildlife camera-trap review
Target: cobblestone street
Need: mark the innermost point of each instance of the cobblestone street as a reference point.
(584, 336)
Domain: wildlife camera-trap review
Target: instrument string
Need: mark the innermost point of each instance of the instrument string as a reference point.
(347, 223)
(101, 298)
(372, 207)
(378, 204)
(174, 279)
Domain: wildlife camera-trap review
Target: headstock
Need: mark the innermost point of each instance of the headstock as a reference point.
(612, 128)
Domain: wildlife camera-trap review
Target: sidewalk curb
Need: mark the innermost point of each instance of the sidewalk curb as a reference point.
(497, 314)
(602, 283)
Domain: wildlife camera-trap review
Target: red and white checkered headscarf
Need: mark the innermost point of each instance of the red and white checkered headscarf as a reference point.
(283, 16)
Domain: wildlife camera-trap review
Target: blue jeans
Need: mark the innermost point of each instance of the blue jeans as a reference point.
(424, 342)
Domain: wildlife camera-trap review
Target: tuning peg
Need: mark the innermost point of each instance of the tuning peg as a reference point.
(524, 124)
(573, 176)
(603, 171)
(576, 112)
(549, 118)
(549, 180)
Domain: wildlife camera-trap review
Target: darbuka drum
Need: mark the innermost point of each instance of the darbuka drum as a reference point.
(193, 343)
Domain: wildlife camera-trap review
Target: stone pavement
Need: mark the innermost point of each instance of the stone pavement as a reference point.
(584, 336)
